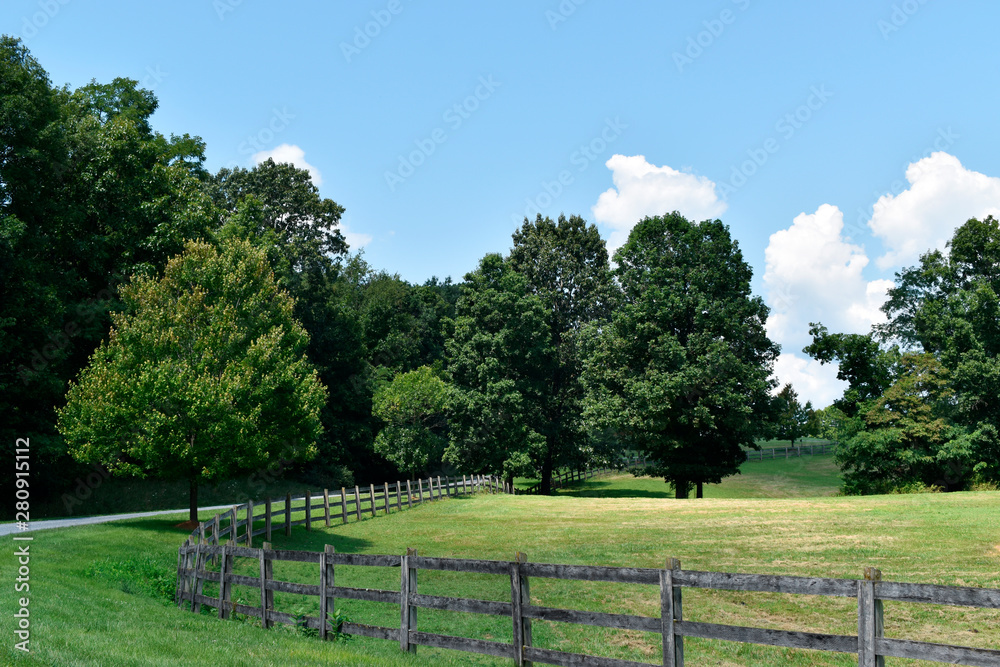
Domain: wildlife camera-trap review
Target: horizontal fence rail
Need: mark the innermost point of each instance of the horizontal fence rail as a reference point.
(870, 645)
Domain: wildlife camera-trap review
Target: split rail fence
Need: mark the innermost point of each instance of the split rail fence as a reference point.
(561, 477)
(870, 644)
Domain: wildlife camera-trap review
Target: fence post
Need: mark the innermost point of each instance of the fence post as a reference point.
(465, 486)
(408, 614)
(182, 580)
(870, 623)
(409, 495)
(670, 612)
(308, 510)
(343, 503)
(371, 495)
(267, 520)
(326, 580)
(266, 596)
(225, 588)
(420, 489)
(520, 597)
(215, 537)
(447, 485)
(288, 515)
(326, 506)
(199, 567)
(399, 496)
(249, 533)
(385, 488)
(357, 502)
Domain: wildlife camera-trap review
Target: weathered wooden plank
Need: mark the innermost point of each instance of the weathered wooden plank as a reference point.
(307, 506)
(460, 565)
(268, 516)
(986, 598)
(460, 604)
(375, 631)
(266, 575)
(294, 556)
(343, 503)
(622, 621)
(243, 580)
(624, 575)
(408, 613)
(325, 582)
(953, 655)
(288, 515)
(463, 644)
(409, 495)
(869, 620)
(551, 657)
(290, 587)
(368, 594)
(326, 506)
(785, 638)
(357, 502)
(767, 583)
(370, 560)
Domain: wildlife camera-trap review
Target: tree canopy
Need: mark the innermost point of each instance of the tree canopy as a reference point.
(683, 366)
(203, 376)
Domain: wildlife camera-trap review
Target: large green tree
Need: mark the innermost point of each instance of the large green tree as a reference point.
(565, 264)
(790, 416)
(203, 376)
(683, 367)
(500, 358)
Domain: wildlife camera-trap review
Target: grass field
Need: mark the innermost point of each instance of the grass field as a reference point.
(88, 610)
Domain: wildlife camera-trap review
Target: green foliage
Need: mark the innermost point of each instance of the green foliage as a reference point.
(501, 357)
(204, 375)
(565, 264)
(682, 368)
(413, 408)
(906, 438)
(142, 574)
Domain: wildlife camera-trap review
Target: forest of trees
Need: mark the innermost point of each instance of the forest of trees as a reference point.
(162, 321)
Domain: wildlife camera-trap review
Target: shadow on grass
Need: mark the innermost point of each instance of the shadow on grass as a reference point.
(600, 490)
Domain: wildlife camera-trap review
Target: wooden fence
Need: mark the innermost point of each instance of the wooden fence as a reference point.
(870, 645)
(788, 452)
(328, 508)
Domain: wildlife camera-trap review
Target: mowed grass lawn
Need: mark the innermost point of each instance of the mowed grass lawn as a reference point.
(85, 612)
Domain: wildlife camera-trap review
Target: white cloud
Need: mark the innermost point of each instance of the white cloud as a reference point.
(813, 381)
(814, 274)
(642, 189)
(293, 154)
(942, 196)
(356, 240)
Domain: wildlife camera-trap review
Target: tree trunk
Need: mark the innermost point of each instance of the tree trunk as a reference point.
(193, 512)
(546, 488)
(682, 488)
(701, 491)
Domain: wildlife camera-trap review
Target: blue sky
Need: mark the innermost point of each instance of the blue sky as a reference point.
(438, 125)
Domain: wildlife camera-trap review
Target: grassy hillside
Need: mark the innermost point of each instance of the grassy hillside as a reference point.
(795, 477)
(88, 610)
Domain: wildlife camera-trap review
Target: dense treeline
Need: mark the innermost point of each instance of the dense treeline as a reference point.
(136, 310)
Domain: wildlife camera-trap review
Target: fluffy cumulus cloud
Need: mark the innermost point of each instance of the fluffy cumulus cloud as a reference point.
(942, 195)
(813, 273)
(642, 189)
(293, 154)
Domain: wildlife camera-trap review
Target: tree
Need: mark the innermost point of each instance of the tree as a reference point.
(203, 376)
(908, 436)
(500, 359)
(565, 264)
(413, 408)
(684, 364)
(790, 416)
